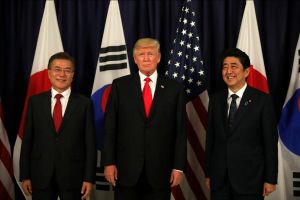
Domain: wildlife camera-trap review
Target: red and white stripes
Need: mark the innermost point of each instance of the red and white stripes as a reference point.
(6, 168)
(192, 187)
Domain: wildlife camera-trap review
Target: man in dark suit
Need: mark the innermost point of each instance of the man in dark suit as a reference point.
(58, 154)
(144, 151)
(241, 141)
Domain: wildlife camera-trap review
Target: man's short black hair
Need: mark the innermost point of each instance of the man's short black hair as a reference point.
(235, 52)
(61, 55)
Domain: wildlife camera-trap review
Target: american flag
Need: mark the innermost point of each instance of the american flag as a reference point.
(6, 166)
(186, 66)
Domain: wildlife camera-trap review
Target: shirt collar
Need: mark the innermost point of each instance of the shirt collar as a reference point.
(65, 93)
(153, 76)
(239, 93)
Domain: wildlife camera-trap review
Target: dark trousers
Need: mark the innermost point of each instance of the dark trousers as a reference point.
(54, 190)
(226, 192)
(142, 190)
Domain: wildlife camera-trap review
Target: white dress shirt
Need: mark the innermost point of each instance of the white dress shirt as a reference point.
(64, 99)
(152, 83)
(238, 100)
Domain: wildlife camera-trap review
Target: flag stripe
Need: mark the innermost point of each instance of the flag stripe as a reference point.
(201, 110)
(194, 184)
(113, 49)
(6, 168)
(196, 146)
(4, 195)
(6, 179)
(296, 183)
(297, 193)
(177, 193)
(113, 67)
(113, 58)
(5, 157)
(199, 153)
(196, 167)
(186, 189)
(296, 174)
(196, 123)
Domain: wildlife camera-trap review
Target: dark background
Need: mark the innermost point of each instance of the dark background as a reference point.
(81, 24)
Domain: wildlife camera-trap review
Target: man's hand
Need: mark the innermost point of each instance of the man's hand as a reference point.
(176, 177)
(86, 189)
(207, 183)
(111, 174)
(27, 188)
(268, 188)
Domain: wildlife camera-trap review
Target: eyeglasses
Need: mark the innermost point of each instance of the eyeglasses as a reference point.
(58, 70)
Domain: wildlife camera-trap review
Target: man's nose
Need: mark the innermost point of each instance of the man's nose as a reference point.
(146, 57)
(229, 70)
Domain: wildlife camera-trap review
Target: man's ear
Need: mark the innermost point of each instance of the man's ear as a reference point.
(134, 59)
(247, 71)
(159, 58)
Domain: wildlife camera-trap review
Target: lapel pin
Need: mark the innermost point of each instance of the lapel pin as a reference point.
(247, 102)
(162, 86)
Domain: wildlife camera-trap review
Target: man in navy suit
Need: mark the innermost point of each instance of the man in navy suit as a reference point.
(241, 141)
(58, 153)
(144, 150)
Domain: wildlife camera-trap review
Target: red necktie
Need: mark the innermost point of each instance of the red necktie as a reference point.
(147, 95)
(57, 112)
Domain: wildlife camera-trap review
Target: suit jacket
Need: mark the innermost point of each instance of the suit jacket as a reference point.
(133, 143)
(69, 154)
(246, 154)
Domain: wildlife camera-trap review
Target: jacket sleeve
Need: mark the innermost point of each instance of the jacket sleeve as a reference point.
(26, 143)
(209, 139)
(90, 145)
(181, 138)
(270, 140)
(110, 123)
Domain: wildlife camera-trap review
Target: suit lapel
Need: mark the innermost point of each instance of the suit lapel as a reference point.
(47, 109)
(137, 92)
(158, 95)
(243, 107)
(69, 109)
(224, 107)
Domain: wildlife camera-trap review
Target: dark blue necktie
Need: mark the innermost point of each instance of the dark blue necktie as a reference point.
(232, 110)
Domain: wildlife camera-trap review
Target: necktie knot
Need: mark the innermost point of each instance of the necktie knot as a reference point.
(234, 97)
(147, 79)
(58, 96)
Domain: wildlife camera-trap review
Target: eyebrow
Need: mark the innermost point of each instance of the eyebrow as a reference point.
(232, 63)
(63, 67)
